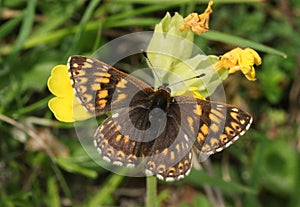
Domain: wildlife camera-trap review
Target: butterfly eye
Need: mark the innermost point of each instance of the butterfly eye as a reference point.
(168, 89)
(165, 87)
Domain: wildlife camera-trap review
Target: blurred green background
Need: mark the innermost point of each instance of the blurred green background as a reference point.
(261, 169)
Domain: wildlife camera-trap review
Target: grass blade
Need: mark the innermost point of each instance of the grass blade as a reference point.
(234, 40)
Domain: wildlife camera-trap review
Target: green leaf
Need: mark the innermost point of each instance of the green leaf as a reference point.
(25, 28)
(105, 191)
(200, 178)
(53, 194)
(270, 78)
(280, 166)
(234, 40)
(10, 25)
(71, 166)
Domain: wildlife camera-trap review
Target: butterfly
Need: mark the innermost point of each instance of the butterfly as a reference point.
(152, 127)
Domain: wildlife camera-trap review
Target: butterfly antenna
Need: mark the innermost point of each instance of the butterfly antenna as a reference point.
(155, 72)
(195, 77)
(149, 63)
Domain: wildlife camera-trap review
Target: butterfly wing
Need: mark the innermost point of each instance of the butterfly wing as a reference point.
(101, 88)
(114, 145)
(209, 126)
(125, 140)
(138, 135)
(219, 125)
(171, 155)
(165, 150)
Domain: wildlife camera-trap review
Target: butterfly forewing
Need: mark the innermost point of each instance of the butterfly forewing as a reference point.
(219, 125)
(224, 125)
(101, 88)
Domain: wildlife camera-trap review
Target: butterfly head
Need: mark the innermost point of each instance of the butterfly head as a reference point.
(165, 87)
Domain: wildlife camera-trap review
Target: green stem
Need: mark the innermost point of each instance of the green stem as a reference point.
(105, 192)
(151, 197)
(37, 105)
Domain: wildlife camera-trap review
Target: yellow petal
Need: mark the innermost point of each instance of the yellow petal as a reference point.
(198, 23)
(190, 21)
(68, 109)
(255, 55)
(196, 93)
(79, 112)
(62, 109)
(191, 91)
(59, 82)
(240, 59)
(251, 75)
(64, 106)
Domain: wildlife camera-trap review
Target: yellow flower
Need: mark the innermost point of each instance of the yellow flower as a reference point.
(240, 59)
(191, 91)
(198, 23)
(65, 105)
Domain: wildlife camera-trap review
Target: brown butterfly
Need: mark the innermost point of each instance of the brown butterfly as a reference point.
(151, 126)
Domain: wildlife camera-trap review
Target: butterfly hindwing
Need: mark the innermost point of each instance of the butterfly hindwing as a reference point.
(114, 146)
(135, 135)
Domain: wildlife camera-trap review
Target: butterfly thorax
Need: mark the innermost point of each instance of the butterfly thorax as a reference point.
(162, 98)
